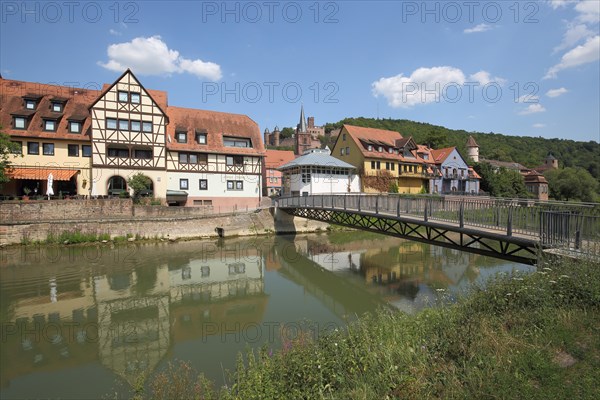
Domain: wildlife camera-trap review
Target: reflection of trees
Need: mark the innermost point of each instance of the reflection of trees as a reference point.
(146, 279)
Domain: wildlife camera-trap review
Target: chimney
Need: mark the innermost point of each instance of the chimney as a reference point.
(311, 122)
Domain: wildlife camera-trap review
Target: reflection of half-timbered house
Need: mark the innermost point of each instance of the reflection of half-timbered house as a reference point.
(92, 141)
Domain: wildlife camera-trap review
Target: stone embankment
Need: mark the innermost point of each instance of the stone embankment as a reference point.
(35, 221)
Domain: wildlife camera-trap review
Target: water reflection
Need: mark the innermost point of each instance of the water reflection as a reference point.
(77, 319)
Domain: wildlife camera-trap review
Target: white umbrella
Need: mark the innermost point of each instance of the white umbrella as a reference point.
(94, 192)
(50, 191)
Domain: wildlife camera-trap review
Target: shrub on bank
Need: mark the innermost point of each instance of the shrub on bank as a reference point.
(523, 336)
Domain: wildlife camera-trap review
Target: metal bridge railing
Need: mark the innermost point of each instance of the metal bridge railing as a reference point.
(573, 226)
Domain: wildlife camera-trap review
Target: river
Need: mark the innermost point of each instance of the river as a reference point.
(85, 322)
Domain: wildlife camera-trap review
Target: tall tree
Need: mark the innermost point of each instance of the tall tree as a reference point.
(7, 151)
(501, 182)
(572, 184)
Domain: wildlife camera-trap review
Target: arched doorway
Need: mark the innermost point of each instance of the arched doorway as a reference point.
(116, 185)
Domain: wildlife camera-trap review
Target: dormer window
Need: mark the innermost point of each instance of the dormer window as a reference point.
(200, 138)
(370, 148)
(74, 126)
(56, 106)
(181, 137)
(236, 142)
(30, 104)
(380, 149)
(50, 125)
(20, 123)
(390, 150)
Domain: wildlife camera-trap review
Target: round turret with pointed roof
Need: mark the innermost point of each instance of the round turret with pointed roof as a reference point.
(267, 130)
(471, 142)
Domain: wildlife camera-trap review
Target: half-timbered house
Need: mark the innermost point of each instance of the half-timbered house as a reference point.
(93, 141)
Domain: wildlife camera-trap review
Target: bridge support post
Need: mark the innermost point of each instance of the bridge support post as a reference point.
(509, 222)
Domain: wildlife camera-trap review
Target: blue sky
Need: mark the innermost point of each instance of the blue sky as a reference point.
(525, 68)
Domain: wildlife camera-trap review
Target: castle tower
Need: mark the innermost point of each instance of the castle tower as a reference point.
(550, 162)
(311, 122)
(267, 135)
(472, 149)
(276, 134)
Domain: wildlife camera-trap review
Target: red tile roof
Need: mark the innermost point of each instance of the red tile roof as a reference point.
(440, 155)
(75, 107)
(216, 125)
(276, 158)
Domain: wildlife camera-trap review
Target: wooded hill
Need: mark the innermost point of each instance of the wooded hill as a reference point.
(529, 151)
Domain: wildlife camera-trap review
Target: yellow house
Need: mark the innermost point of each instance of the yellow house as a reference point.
(384, 159)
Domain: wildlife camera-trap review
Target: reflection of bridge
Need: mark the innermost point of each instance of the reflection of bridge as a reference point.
(503, 228)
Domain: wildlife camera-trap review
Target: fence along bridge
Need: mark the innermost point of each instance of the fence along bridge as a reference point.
(515, 230)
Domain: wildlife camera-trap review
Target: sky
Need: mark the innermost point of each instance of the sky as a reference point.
(525, 68)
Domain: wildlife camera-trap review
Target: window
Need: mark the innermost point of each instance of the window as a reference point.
(33, 148)
(111, 123)
(203, 184)
(123, 97)
(134, 97)
(181, 137)
(393, 166)
(234, 160)
(48, 149)
(19, 149)
(30, 104)
(380, 149)
(56, 106)
(236, 142)
(74, 126)
(142, 154)
(235, 185)
(86, 150)
(342, 151)
(49, 125)
(20, 123)
(136, 126)
(200, 138)
(73, 150)
(370, 148)
(183, 184)
(115, 152)
(344, 137)
(390, 150)
(147, 126)
(123, 124)
(348, 150)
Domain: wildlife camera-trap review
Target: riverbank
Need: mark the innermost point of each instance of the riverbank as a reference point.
(42, 222)
(530, 336)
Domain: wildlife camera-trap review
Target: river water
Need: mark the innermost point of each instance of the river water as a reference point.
(85, 322)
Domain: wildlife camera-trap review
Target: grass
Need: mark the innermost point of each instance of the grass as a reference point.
(524, 336)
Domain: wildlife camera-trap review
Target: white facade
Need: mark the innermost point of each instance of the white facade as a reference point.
(455, 176)
(314, 180)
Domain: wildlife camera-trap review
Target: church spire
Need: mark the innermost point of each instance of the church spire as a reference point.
(302, 124)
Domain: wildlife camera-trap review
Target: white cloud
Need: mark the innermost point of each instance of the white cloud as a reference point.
(533, 109)
(589, 11)
(556, 92)
(484, 77)
(429, 85)
(573, 35)
(528, 98)
(478, 28)
(559, 3)
(539, 126)
(152, 56)
(114, 32)
(582, 54)
(424, 85)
